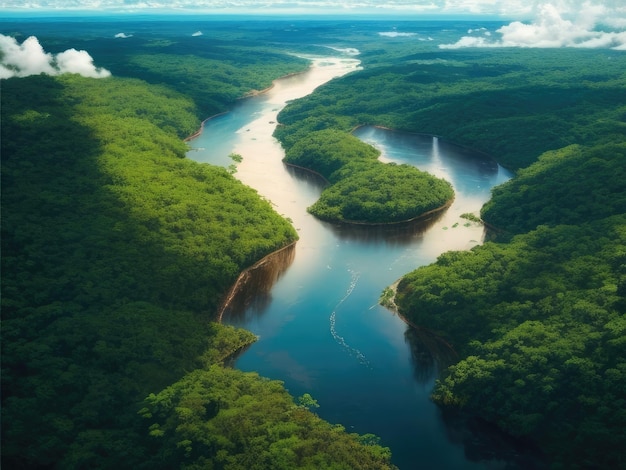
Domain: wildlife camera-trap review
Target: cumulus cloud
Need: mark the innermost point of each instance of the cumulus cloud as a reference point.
(590, 25)
(123, 35)
(29, 58)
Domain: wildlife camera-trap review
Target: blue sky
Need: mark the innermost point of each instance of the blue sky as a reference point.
(526, 23)
(508, 9)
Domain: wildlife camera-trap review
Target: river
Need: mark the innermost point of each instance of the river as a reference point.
(321, 330)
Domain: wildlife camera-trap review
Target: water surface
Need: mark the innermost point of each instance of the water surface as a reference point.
(320, 326)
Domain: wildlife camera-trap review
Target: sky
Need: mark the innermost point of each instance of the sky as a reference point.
(525, 23)
(511, 9)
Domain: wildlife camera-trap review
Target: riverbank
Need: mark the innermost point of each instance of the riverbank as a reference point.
(274, 264)
(419, 218)
(250, 94)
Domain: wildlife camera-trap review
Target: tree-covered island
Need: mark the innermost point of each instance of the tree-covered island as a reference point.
(362, 189)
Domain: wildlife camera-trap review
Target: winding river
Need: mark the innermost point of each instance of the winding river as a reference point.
(320, 326)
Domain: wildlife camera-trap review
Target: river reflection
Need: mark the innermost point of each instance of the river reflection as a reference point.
(321, 330)
(251, 293)
(429, 353)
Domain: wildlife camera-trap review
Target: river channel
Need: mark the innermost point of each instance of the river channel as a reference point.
(321, 330)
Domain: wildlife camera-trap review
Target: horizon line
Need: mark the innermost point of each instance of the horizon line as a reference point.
(406, 15)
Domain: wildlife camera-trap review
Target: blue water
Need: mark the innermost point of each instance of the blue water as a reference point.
(321, 330)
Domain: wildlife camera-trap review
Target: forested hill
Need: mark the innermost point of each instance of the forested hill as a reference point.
(509, 103)
(116, 252)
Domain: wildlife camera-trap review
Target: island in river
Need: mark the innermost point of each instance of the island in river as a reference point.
(362, 189)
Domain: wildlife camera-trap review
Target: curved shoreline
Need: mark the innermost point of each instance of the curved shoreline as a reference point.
(440, 137)
(199, 131)
(418, 218)
(394, 309)
(244, 275)
(250, 94)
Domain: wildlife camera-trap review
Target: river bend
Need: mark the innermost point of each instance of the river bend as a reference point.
(321, 330)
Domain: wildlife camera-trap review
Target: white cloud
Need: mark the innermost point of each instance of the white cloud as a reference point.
(123, 35)
(558, 24)
(395, 34)
(197, 33)
(29, 58)
(73, 61)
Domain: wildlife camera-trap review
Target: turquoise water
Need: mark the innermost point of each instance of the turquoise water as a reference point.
(321, 330)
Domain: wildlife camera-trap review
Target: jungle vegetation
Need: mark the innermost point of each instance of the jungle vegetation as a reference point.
(116, 253)
(363, 189)
(509, 103)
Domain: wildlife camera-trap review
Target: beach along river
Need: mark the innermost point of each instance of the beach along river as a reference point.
(321, 330)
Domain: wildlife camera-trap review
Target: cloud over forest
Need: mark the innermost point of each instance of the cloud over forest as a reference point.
(590, 25)
(29, 58)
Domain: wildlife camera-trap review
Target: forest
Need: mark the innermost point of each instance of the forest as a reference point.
(536, 315)
(362, 189)
(116, 254)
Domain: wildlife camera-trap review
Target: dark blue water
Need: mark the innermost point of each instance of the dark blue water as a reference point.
(320, 328)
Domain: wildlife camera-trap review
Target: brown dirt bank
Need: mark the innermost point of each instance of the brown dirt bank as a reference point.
(247, 274)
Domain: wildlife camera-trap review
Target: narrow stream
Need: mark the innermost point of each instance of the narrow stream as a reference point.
(320, 326)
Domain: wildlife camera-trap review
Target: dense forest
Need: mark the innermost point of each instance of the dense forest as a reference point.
(116, 254)
(537, 315)
(511, 104)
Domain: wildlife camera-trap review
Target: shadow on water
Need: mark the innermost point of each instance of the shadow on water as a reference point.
(251, 294)
(430, 354)
(402, 233)
(484, 442)
(392, 234)
(308, 177)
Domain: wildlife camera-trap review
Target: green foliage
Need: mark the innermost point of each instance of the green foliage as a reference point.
(213, 71)
(381, 193)
(364, 190)
(512, 104)
(307, 401)
(116, 253)
(327, 151)
(471, 217)
(566, 186)
(539, 323)
(387, 298)
(226, 419)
